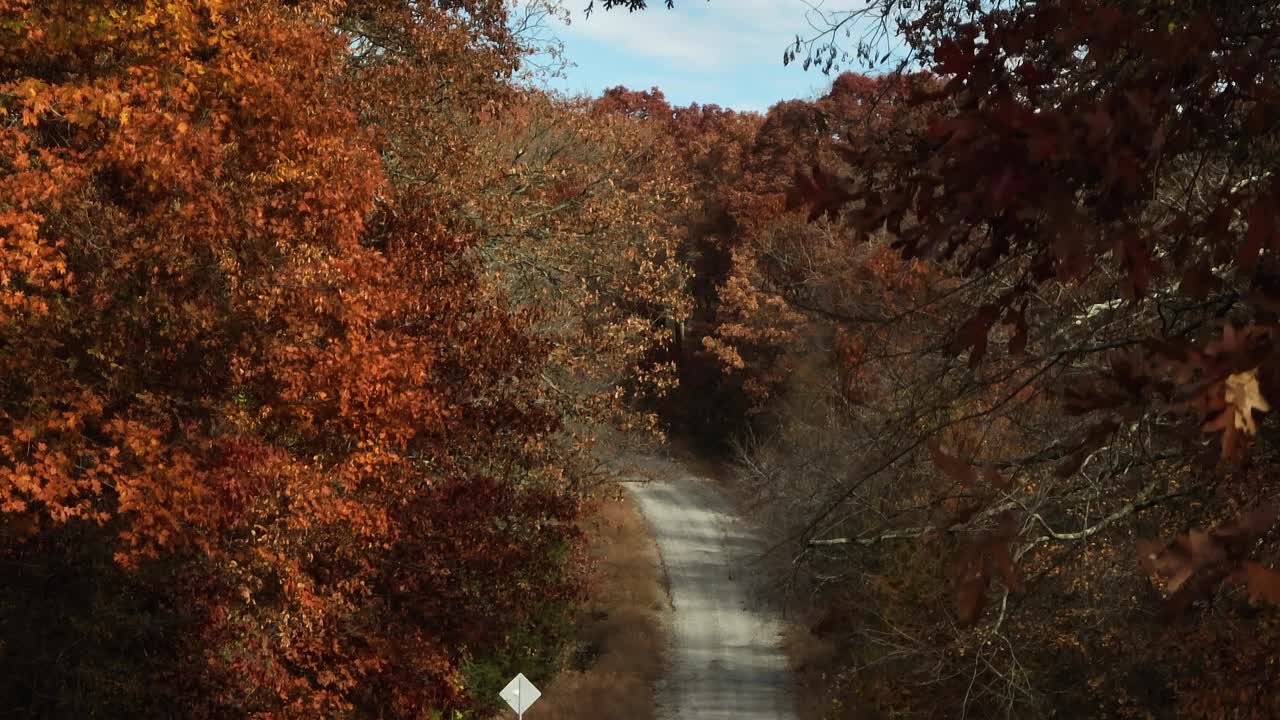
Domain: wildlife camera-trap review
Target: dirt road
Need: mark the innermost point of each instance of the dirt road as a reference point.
(724, 661)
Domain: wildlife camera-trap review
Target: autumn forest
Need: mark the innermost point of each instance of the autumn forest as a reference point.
(320, 321)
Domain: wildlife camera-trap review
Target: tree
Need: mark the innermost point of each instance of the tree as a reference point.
(1040, 318)
(630, 5)
(582, 230)
(247, 362)
(1090, 361)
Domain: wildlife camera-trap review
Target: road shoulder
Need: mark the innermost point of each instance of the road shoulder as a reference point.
(618, 655)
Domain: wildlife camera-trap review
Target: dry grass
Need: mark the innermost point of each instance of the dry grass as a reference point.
(814, 661)
(618, 654)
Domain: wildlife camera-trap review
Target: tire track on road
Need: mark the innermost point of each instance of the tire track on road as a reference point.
(725, 661)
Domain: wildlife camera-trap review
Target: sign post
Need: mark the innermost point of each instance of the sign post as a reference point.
(520, 694)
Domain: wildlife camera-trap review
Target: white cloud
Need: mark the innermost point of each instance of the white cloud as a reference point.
(699, 36)
(724, 52)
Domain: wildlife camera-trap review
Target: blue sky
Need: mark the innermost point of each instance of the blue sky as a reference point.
(727, 52)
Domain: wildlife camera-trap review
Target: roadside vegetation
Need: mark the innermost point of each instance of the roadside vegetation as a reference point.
(619, 649)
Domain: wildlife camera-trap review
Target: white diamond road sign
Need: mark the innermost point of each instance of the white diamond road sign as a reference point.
(520, 694)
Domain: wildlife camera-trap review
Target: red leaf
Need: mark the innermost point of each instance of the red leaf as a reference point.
(1018, 341)
(1140, 99)
(1198, 281)
(1042, 144)
(973, 334)
(971, 585)
(952, 59)
(1003, 190)
(1099, 122)
(1263, 299)
(1262, 228)
(1141, 265)
(1004, 563)
(820, 192)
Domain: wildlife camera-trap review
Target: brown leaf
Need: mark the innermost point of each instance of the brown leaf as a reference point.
(1247, 528)
(1204, 549)
(1148, 554)
(953, 467)
(1170, 564)
(1071, 465)
(971, 593)
(1260, 521)
(1004, 563)
(1232, 445)
(1178, 572)
(1263, 583)
(995, 479)
(1006, 529)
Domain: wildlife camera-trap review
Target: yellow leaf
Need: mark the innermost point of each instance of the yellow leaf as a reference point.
(1244, 396)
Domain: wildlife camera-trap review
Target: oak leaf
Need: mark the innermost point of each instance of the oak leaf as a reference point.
(1243, 397)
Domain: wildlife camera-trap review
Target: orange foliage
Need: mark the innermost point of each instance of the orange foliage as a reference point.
(235, 340)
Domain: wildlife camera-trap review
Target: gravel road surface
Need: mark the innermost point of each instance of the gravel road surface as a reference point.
(724, 661)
